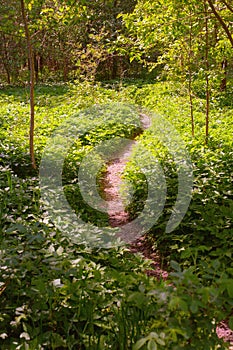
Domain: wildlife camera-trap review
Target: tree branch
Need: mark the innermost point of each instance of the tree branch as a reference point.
(221, 21)
(227, 5)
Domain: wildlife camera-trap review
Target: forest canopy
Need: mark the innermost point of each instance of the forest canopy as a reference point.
(117, 38)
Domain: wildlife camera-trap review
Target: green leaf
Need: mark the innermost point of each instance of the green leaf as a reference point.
(231, 322)
(161, 342)
(178, 303)
(137, 299)
(175, 266)
(152, 345)
(230, 288)
(139, 344)
(194, 306)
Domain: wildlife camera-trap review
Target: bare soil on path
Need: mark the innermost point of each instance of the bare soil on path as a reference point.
(118, 217)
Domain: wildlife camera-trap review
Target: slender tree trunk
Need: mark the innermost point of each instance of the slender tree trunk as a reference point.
(65, 68)
(190, 77)
(36, 68)
(191, 104)
(32, 83)
(223, 85)
(7, 73)
(207, 74)
(8, 76)
(114, 66)
(6, 60)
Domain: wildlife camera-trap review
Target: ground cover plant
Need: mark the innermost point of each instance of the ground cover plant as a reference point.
(56, 294)
(202, 242)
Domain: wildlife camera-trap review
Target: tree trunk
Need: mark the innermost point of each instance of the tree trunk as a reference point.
(36, 68)
(223, 85)
(190, 77)
(65, 69)
(114, 67)
(5, 59)
(7, 72)
(207, 75)
(32, 83)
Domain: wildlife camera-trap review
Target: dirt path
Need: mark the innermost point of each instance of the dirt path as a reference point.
(113, 180)
(118, 216)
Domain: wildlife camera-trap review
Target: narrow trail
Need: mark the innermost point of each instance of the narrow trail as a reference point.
(118, 217)
(115, 168)
(113, 180)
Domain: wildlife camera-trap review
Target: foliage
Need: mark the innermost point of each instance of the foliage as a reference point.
(171, 34)
(56, 294)
(201, 244)
(70, 39)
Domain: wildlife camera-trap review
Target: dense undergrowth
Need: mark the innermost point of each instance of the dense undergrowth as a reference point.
(58, 294)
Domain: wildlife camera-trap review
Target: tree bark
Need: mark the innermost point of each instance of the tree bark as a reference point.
(207, 75)
(190, 76)
(114, 66)
(223, 85)
(32, 83)
(36, 68)
(5, 59)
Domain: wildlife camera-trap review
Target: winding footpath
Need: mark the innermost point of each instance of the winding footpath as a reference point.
(118, 217)
(113, 180)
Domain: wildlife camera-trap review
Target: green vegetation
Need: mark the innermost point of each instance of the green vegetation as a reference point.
(57, 294)
(95, 67)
